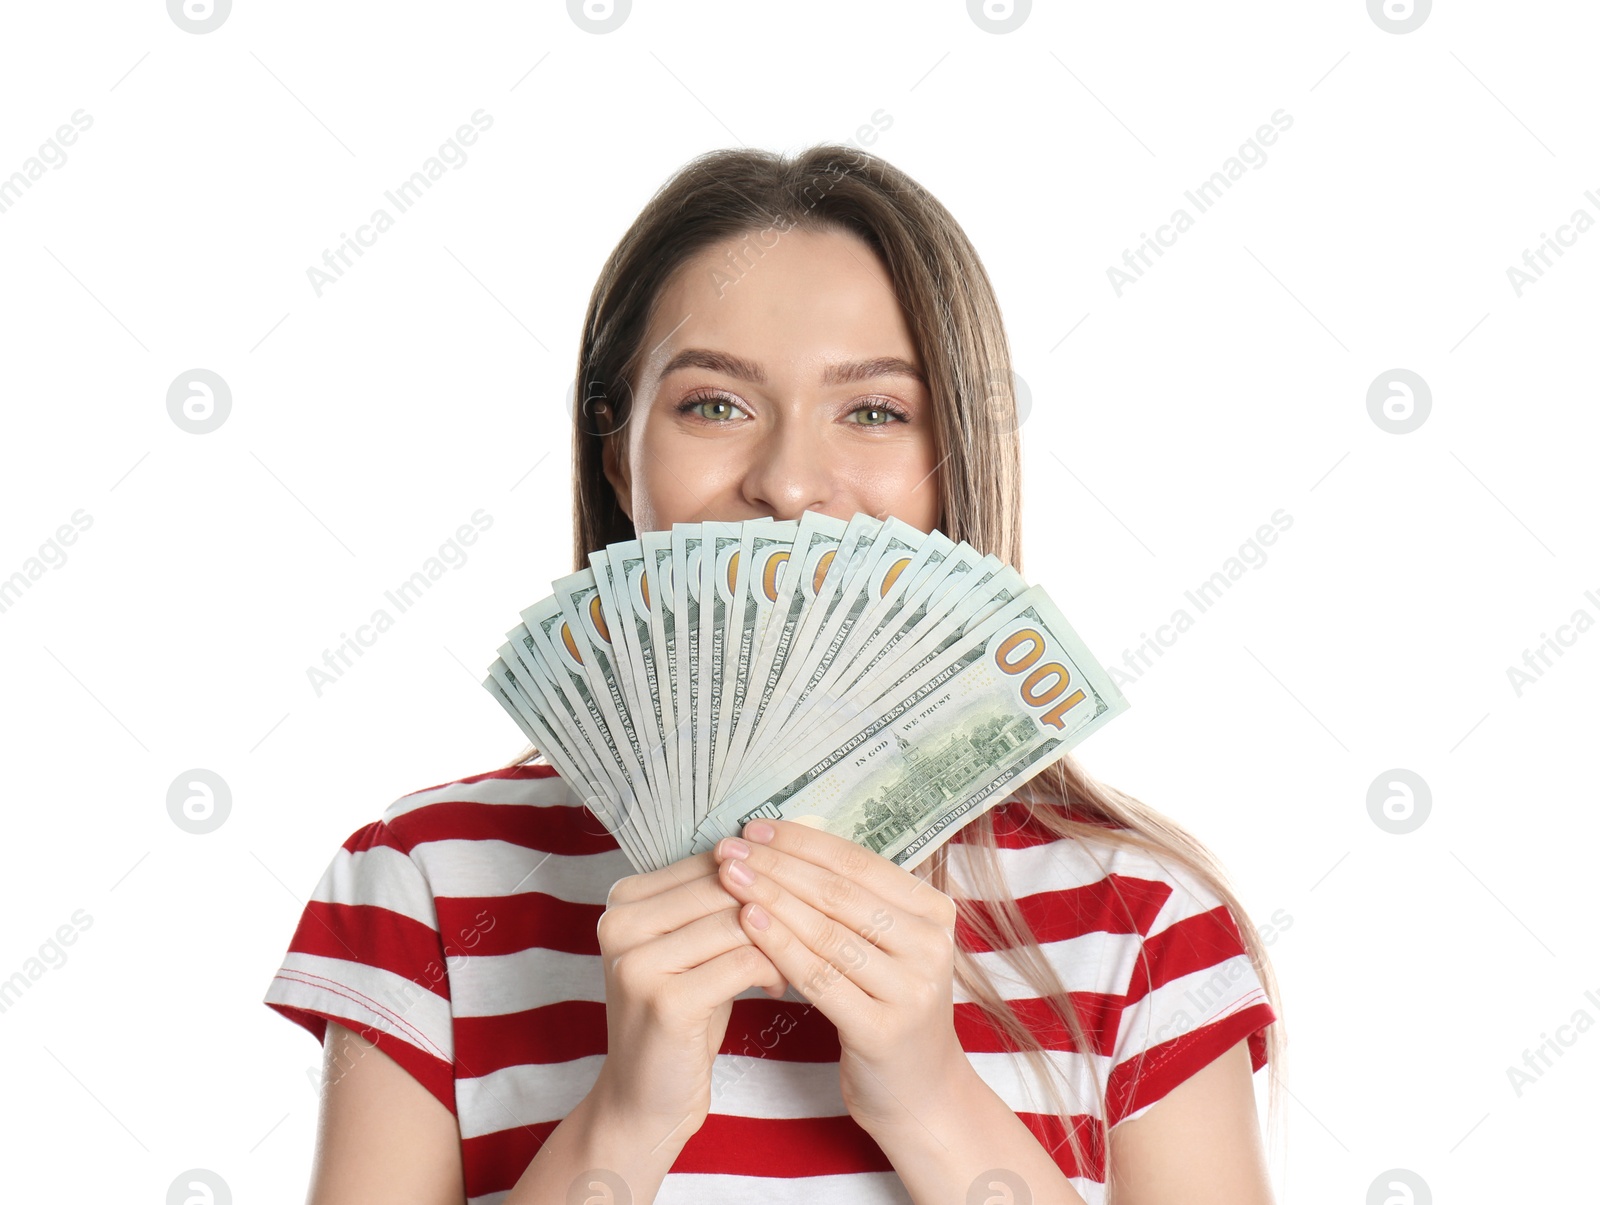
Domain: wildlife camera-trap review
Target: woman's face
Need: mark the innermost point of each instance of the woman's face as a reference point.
(784, 384)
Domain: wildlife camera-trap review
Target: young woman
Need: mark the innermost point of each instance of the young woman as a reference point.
(1065, 1003)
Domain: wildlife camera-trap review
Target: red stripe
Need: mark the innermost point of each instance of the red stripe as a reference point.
(556, 828)
(784, 1031)
(370, 835)
(555, 1033)
(510, 924)
(373, 936)
(495, 1162)
(1016, 825)
(1098, 1013)
(1114, 904)
(1051, 1131)
(786, 1147)
(1136, 1083)
(1195, 943)
(773, 1148)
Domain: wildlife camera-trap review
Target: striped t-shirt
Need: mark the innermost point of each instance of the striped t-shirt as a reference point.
(458, 933)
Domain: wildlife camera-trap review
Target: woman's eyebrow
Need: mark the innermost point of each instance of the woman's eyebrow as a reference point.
(843, 373)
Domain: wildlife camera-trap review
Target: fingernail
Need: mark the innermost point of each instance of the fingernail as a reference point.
(740, 873)
(759, 830)
(758, 918)
(732, 847)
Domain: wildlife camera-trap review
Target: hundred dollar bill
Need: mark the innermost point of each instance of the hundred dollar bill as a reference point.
(878, 553)
(660, 597)
(520, 705)
(591, 623)
(686, 556)
(987, 716)
(757, 569)
(569, 654)
(718, 566)
(620, 574)
(811, 558)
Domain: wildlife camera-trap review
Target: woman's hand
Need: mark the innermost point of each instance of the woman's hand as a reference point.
(675, 956)
(871, 945)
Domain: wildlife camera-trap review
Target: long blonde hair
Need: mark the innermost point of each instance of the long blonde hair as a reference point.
(955, 321)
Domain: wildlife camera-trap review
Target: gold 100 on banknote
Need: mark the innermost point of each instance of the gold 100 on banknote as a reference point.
(873, 680)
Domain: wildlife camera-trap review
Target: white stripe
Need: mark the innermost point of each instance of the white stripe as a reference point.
(380, 875)
(1061, 865)
(491, 985)
(861, 1188)
(762, 1087)
(765, 1086)
(523, 1095)
(464, 868)
(366, 995)
(1188, 1003)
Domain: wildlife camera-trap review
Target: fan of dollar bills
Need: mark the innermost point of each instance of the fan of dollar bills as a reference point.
(862, 676)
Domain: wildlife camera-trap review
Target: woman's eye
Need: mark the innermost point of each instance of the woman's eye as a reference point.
(694, 406)
(883, 414)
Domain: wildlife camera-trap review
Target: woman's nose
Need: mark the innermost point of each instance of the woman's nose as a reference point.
(789, 473)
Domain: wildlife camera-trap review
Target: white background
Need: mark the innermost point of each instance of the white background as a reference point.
(1167, 424)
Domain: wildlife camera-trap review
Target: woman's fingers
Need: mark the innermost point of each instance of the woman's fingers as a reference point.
(721, 978)
(690, 947)
(635, 919)
(834, 855)
(837, 895)
(817, 953)
(703, 964)
(634, 887)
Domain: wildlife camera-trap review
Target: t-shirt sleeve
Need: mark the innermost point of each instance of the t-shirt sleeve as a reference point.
(1193, 995)
(367, 953)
